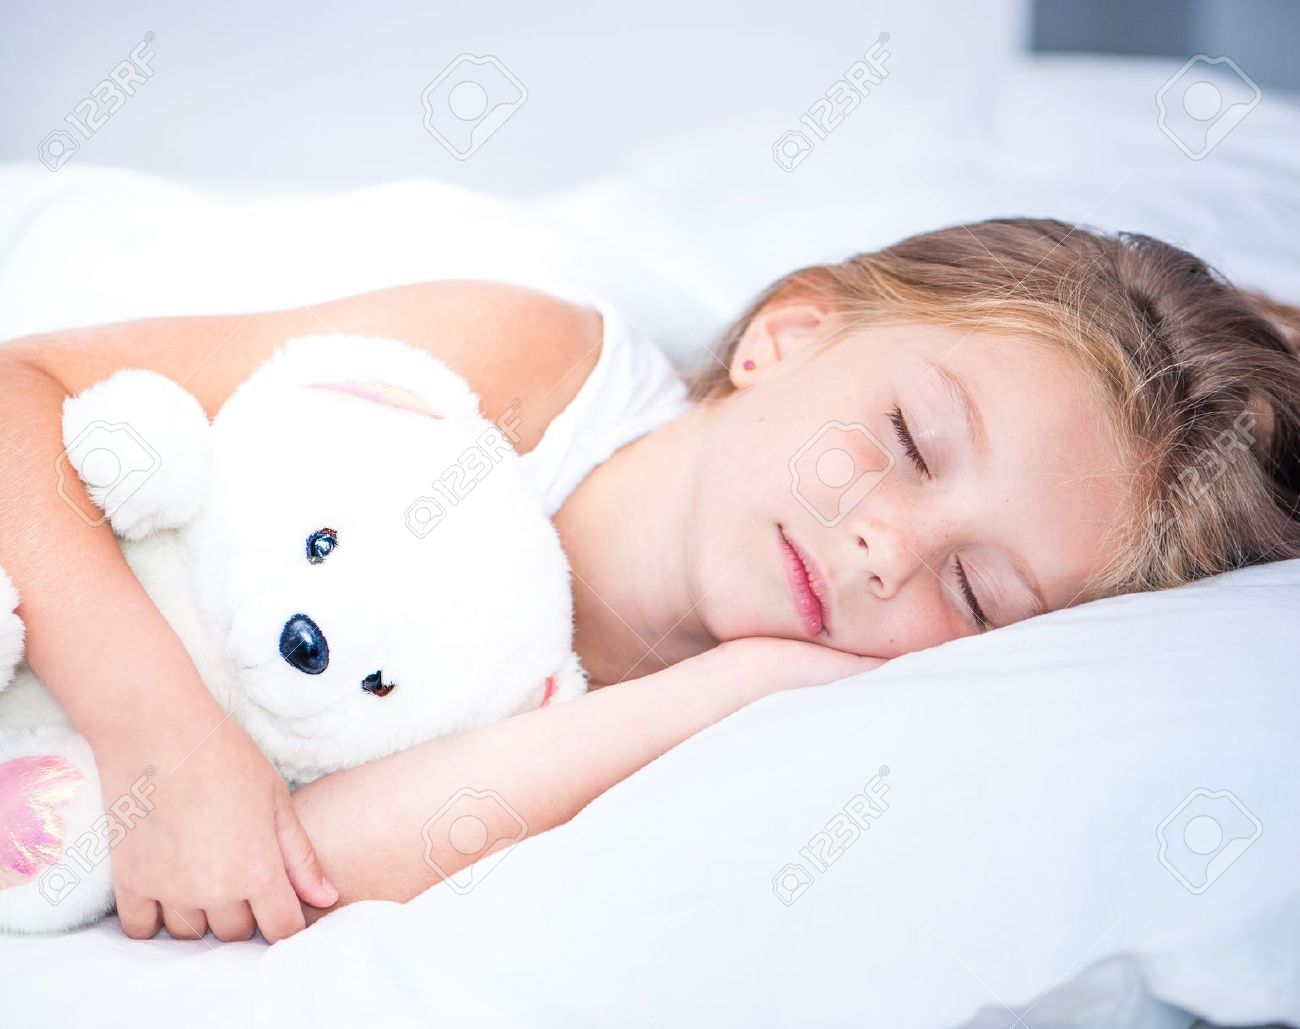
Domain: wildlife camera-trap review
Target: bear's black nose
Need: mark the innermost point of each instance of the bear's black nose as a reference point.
(374, 684)
(304, 646)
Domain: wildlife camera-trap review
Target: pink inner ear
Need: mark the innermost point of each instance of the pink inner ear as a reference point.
(382, 393)
(32, 789)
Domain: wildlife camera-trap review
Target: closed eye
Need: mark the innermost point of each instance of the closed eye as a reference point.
(981, 620)
(904, 435)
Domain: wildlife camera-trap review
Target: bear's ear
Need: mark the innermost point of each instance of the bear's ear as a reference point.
(382, 393)
(383, 371)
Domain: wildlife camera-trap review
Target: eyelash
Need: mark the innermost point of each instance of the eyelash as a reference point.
(908, 444)
(972, 603)
(904, 435)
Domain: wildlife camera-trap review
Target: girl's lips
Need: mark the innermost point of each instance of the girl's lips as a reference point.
(807, 587)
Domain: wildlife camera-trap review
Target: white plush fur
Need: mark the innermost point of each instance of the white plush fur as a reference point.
(139, 443)
(466, 619)
(11, 630)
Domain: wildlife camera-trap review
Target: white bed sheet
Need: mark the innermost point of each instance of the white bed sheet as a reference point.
(979, 892)
(92, 245)
(1065, 137)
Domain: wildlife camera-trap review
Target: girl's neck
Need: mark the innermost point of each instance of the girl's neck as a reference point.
(626, 530)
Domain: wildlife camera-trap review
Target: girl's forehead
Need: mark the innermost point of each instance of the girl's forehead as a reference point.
(982, 355)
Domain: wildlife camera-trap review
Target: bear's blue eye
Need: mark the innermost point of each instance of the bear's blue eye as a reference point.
(321, 544)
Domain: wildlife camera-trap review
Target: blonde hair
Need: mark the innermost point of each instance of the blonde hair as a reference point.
(1199, 381)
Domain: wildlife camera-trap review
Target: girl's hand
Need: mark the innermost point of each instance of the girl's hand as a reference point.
(221, 848)
(769, 664)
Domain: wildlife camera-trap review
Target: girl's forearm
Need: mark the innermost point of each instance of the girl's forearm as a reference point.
(385, 830)
(93, 634)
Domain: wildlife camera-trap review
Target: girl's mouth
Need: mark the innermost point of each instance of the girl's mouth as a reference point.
(807, 587)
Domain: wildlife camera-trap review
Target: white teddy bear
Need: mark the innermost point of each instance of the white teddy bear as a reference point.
(354, 557)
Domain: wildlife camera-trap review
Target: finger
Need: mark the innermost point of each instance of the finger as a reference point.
(278, 913)
(185, 923)
(139, 916)
(232, 922)
(300, 861)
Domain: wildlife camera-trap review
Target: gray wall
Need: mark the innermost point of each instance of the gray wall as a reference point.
(329, 92)
(1262, 36)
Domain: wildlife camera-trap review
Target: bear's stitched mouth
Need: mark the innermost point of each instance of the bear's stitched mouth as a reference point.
(374, 683)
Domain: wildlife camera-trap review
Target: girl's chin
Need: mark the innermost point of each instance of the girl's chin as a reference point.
(752, 624)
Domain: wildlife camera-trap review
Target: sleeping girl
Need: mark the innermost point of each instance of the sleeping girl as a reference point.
(967, 428)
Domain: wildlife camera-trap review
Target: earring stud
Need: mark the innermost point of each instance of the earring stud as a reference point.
(748, 366)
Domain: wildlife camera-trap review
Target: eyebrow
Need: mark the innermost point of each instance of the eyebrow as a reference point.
(956, 390)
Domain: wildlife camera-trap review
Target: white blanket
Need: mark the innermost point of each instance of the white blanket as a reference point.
(1021, 845)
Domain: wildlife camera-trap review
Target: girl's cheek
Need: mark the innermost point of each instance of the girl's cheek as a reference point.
(836, 466)
(909, 627)
(941, 623)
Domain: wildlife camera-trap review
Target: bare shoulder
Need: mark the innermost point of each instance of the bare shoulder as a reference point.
(508, 342)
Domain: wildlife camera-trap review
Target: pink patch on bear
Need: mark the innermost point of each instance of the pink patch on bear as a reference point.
(382, 393)
(32, 789)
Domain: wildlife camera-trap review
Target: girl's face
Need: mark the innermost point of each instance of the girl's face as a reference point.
(898, 487)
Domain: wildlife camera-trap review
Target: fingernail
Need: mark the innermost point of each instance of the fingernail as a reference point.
(330, 891)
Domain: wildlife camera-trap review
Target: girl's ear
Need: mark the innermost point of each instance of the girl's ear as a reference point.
(777, 333)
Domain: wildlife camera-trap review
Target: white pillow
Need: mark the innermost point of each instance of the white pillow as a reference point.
(1066, 137)
(1042, 784)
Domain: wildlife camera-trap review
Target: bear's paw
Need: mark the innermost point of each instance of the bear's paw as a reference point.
(139, 442)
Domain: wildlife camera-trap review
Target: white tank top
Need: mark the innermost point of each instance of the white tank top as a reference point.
(632, 390)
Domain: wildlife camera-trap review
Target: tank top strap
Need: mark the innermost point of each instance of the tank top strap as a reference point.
(632, 390)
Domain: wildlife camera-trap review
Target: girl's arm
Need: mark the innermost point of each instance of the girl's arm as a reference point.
(375, 827)
(222, 845)
(122, 676)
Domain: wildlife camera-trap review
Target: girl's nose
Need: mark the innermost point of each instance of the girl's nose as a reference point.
(886, 556)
